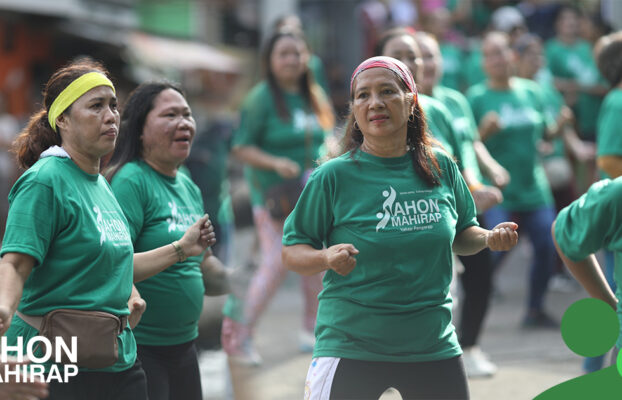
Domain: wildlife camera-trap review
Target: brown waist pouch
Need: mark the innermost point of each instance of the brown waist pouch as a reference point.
(96, 333)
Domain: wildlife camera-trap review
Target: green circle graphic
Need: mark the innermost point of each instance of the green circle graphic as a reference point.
(590, 327)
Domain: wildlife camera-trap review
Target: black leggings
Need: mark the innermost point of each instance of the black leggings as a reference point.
(362, 380)
(125, 385)
(172, 371)
(477, 286)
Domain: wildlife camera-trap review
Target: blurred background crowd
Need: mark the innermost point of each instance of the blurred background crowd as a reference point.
(211, 47)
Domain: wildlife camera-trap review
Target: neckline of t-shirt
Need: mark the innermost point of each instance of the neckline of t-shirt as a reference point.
(171, 179)
(361, 155)
(72, 164)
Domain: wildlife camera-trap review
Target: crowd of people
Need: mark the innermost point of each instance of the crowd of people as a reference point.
(433, 167)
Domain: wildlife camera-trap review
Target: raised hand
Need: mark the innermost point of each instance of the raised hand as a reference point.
(5, 319)
(198, 237)
(489, 125)
(286, 168)
(486, 197)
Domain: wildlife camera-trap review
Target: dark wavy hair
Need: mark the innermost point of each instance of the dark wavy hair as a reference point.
(140, 102)
(609, 57)
(309, 89)
(418, 140)
(38, 135)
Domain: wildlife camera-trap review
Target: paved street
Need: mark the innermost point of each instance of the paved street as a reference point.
(529, 361)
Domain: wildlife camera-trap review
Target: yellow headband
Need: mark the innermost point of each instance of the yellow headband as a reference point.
(72, 92)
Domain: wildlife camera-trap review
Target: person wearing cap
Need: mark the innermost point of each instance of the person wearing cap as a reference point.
(563, 148)
(67, 243)
(381, 221)
(505, 19)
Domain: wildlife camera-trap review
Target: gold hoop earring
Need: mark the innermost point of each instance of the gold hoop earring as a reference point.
(411, 118)
(356, 126)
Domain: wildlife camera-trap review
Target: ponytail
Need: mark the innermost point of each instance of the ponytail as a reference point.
(37, 137)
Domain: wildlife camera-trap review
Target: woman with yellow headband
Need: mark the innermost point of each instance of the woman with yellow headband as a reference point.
(67, 256)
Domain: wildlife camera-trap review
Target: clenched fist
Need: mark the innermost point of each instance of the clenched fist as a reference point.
(340, 258)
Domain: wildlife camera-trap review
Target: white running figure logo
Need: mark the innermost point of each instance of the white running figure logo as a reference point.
(387, 208)
(100, 224)
(172, 225)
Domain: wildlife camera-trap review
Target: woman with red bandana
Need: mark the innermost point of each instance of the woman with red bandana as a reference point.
(384, 317)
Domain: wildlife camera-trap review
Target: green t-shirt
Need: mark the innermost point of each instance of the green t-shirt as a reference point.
(576, 62)
(609, 137)
(473, 68)
(553, 103)
(463, 124)
(452, 65)
(159, 210)
(592, 222)
(523, 120)
(71, 224)
(439, 121)
(298, 139)
(395, 305)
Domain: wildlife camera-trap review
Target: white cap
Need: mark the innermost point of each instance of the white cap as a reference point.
(507, 18)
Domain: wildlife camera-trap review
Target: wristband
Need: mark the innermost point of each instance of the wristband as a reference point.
(180, 252)
(476, 186)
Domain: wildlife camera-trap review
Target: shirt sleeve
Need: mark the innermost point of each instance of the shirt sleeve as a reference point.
(33, 220)
(468, 114)
(312, 218)
(473, 103)
(551, 58)
(608, 138)
(540, 102)
(252, 122)
(452, 137)
(465, 206)
(591, 222)
(130, 199)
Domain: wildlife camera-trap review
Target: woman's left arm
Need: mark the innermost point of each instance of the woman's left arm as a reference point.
(474, 239)
(215, 275)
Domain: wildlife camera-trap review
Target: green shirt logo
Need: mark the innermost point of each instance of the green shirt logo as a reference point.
(515, 116)
(111, 229)
(180, 221)
(410, 214)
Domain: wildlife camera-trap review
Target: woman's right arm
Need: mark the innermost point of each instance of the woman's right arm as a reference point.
(196, 239)
(589, 274)
(14, 270)
(254, 156)
(307, 261)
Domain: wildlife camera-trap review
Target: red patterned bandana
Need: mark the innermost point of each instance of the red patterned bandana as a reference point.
(390, 63)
